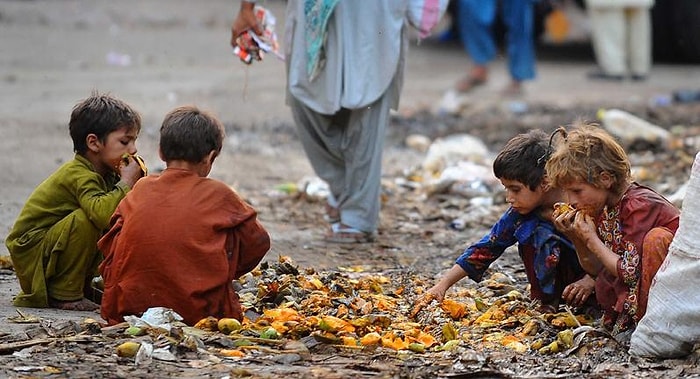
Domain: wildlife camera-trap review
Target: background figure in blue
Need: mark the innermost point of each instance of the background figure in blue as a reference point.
(476, 20)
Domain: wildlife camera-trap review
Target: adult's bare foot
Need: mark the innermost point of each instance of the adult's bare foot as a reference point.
(514, 89)
(468, 83)
(477, 77)
(74, 305)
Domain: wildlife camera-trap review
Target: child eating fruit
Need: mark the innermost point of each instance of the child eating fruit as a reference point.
(621, 229)
(53, 243)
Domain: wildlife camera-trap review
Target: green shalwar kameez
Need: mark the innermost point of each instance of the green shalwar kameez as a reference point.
(53, 243)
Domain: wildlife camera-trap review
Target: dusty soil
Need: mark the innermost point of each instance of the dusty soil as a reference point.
(158, 54)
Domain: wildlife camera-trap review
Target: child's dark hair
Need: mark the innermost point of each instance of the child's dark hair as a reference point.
(189, 134)
(100, 114)
(523, 158)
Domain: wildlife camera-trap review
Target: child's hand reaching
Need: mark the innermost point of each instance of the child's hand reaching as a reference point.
(576, 294)
(437, 292)
(421, 303)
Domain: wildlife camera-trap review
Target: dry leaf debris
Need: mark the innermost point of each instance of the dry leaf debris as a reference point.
(290, 311)
(363, 311)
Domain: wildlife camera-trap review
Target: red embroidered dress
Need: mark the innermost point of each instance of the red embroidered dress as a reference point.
(638, 229)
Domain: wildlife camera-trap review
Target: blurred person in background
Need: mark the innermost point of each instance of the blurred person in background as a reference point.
(621, 32)
(477, 20)
(345, 63)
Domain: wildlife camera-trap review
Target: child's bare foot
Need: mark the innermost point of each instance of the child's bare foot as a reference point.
(514, 89)
(74, 305)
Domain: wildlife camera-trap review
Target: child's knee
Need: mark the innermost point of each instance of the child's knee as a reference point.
(657, 241)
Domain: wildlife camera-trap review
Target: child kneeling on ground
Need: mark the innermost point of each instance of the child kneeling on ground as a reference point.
(552, 268)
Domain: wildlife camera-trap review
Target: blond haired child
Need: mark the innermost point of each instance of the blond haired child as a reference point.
(552, 268)
(621, 229)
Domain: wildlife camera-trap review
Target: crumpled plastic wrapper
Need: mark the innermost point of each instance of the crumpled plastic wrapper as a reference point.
(156, 317)
(250, 46)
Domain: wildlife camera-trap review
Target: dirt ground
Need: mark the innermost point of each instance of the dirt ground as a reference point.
(158, 54)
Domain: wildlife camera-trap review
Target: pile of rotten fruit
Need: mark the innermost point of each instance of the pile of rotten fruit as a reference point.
(351, 309)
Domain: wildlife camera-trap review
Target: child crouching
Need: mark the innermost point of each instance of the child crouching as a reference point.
(179, 239)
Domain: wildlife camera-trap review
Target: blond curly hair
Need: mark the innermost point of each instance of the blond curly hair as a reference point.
(583, 153)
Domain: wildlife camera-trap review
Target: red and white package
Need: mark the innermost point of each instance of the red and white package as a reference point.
(250, 46)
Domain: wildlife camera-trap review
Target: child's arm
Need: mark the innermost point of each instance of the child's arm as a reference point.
(476, 258)
(99, 204)
(586, 258)
(252, 242)
(564, 220)
(455, 274)
(590, 248)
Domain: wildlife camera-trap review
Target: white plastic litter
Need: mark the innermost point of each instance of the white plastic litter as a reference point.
(630, 128)
(314, 187)
(447, 151)
(156, 317)
(418, 142)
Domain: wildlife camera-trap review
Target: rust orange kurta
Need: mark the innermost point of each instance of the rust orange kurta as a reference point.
(167, 247)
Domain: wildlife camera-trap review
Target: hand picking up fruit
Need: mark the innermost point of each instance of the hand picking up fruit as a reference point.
(421, 303)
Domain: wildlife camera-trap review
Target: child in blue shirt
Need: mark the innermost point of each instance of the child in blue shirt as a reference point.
(550, 260)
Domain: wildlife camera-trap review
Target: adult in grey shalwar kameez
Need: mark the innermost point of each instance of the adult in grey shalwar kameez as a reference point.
(342, 113)
(345, 63)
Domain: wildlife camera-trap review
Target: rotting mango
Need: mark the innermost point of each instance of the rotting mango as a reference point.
(417, 347)
(269, 334)
(565, 338)
(208, 323)
(128, 349)
(228, 325)
(135, 331)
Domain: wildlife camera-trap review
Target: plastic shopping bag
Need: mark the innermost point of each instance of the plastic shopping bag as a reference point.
(424, 15)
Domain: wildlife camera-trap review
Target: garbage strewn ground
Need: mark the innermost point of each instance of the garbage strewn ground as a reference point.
(327, 300)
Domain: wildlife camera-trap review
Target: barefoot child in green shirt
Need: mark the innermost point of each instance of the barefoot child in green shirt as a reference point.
(53, 243)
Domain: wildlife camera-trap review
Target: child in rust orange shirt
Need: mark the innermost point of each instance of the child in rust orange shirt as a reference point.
(179, 239)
